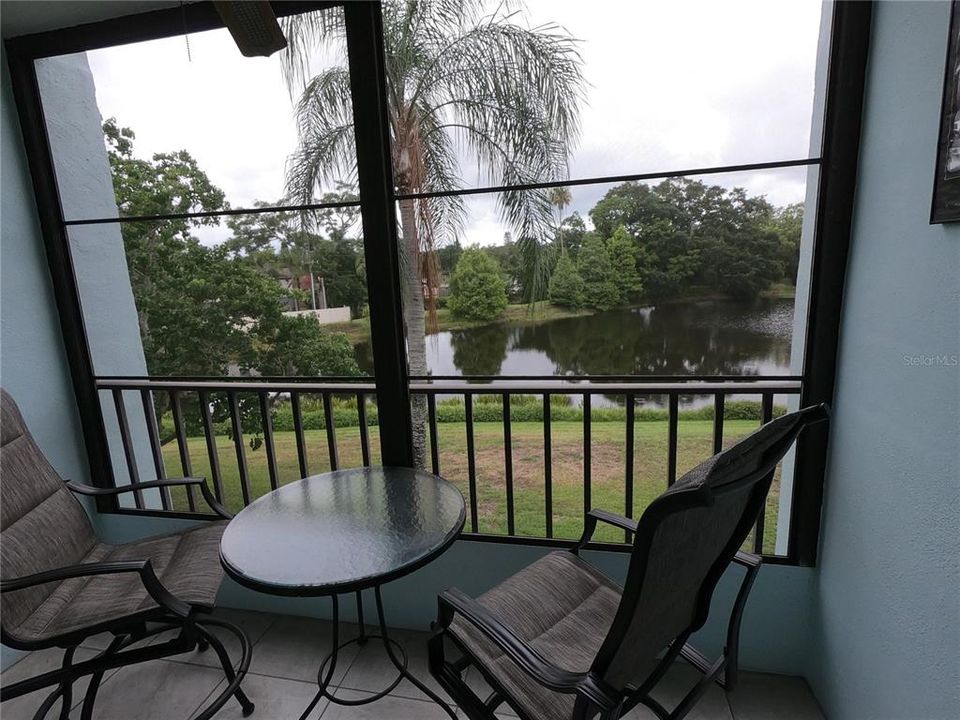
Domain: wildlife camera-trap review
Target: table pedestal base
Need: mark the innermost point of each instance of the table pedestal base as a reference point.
(394, 651)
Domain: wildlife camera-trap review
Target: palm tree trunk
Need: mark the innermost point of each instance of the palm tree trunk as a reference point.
(413, 317)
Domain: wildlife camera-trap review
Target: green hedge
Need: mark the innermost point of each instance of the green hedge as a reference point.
(489, 409)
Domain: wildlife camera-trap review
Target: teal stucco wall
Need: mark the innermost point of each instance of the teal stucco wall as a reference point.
(33, 365)
(887, 596)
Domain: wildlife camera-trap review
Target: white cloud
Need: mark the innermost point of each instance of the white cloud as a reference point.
(672, 85)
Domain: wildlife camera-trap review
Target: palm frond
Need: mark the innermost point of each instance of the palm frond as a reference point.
(326, 150)
(307, 35)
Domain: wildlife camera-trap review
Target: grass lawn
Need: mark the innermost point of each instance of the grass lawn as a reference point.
(695, 443)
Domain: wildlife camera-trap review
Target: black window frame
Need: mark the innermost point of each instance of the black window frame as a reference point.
(838, 159)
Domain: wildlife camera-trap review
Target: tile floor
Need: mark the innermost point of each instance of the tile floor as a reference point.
(283, 672)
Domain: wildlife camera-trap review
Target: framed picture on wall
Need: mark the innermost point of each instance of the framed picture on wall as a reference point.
(946, 183)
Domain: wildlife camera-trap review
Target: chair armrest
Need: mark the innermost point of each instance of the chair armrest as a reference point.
(590, 525)
(530, 661)
(201, 482)
(144, 568)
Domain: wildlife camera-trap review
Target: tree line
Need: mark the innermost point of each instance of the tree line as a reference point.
(210, 310)
(648, 243)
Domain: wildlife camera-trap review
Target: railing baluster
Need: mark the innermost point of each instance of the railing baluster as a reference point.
(150, 415)
(672, 439)
(471, 461)
(328, 420)
(766, 408)
(587, 462)
(128, 452)
(180, 429)
(238, 446)
(718, 410)
(211, 440)
(628, 490)
(298, 432)
(766, 415)
(508, 464)
(266, 421)
(364, 431)
(547, 466)
(434, 442)
(235, 391)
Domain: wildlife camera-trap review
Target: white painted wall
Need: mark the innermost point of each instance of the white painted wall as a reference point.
(326, 316)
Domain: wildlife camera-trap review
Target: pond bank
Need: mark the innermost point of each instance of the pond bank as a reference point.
(518, 314)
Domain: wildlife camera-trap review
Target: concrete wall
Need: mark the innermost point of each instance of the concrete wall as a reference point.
(326, 316)
(887, 598)
(33, 366)
(86, 191)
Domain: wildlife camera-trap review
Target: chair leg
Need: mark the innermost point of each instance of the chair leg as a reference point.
(234, 678)
(66, 688)
(90, 697)
(48, 703)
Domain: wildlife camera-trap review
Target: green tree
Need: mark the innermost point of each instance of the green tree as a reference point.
(201, 310)
(448, 255)
(623, 254)
(666, 259)
(573, 231)
(596, 269)
(787, 223)
(510, 260)
(748, 266)
(690, 232)
(566, 285)
(298, 345)
(280, 244)
(462, 80)
(477, 290)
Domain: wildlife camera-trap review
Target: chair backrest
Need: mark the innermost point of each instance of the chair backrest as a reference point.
(42, 526)
(685, 540)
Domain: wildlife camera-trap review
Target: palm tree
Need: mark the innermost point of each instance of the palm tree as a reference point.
(461, 82)
(560, 197)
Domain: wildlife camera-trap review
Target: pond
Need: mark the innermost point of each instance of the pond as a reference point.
(708, 337)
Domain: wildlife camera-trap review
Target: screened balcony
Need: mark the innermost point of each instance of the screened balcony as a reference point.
(853, 614)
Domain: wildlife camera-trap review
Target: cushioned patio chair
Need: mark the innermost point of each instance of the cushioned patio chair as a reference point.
(560, 640)
(60, 584)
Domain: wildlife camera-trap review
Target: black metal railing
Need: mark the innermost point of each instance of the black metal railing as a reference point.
(232, 407)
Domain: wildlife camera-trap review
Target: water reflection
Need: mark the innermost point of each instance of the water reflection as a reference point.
(691, 338)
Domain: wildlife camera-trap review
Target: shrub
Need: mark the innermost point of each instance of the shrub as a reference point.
(477, 291)
(486, 409)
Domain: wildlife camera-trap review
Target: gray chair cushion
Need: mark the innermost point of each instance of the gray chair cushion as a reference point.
(563, 608)
(187, 564)
(44, 527)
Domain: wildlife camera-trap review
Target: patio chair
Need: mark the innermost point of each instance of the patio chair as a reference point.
(559, 640)
(60, 584)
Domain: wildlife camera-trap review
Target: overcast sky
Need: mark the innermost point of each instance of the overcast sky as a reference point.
(672, 84)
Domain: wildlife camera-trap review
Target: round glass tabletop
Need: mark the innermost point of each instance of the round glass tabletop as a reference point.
(342, 531)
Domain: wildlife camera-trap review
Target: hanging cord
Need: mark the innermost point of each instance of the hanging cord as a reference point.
(186, 36)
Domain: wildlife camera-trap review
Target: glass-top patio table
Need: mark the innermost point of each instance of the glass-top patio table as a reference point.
(343, 532)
